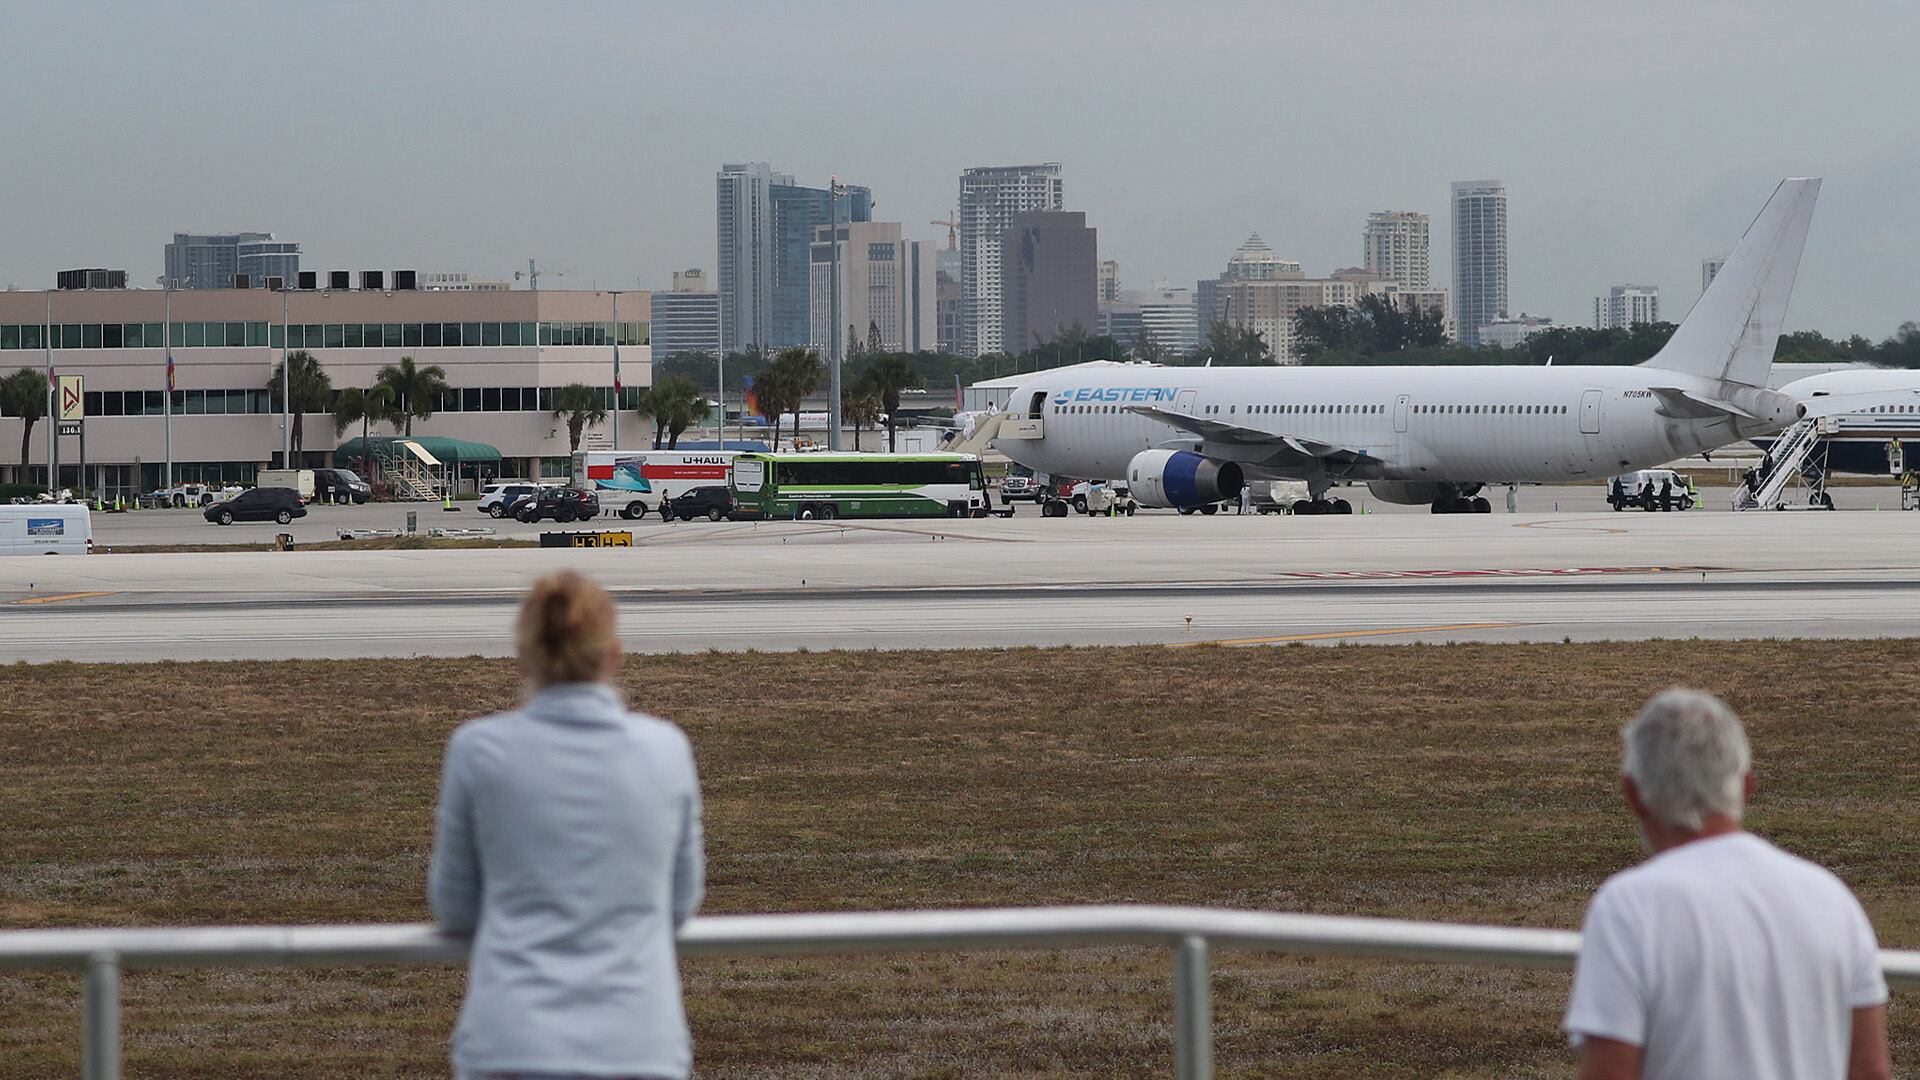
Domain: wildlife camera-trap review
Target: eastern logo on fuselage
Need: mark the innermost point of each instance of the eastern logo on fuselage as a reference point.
(1132, 394)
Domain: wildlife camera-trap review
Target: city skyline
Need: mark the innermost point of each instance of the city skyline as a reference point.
(119, 168)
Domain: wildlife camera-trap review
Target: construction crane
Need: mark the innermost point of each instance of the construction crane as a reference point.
(533, 273)
(952, 222)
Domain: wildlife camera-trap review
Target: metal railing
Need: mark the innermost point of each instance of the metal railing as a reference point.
(1191, 934)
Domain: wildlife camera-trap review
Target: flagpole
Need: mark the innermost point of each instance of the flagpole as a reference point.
(53, 412)
(166, 344)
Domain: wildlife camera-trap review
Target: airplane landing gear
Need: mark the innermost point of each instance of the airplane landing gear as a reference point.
(1475, 505)
(1322, 506)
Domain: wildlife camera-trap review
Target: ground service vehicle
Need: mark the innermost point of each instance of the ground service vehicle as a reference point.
(300, 480)
(1020, 485)
(182, 495)
(258, 504)
(52, 529)
(558, 503)
(635, 481)
(1642, 489)
(713, 503)
(497, 499)
(340, 485)
(810, 486)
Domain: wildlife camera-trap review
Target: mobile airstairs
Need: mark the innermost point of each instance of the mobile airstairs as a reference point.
(1798, 475)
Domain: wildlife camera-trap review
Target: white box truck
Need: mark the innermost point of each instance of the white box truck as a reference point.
(47, 529)
(633, 482)
(300, 480)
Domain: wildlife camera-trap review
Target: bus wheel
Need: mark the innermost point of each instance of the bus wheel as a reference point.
(807, 513)
(828, 511)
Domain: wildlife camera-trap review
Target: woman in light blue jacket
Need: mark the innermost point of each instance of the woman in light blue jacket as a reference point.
(569, 845)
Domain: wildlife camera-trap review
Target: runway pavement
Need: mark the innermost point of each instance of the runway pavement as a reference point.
(1159, 579)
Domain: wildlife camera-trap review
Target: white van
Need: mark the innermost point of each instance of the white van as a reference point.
(634, 481)
(49, 529)
(300, 480)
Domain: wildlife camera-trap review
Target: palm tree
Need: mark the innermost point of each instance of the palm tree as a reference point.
(796, 372)
(675, 404)
(364, 407)
(414, 389)
(309, 387)
(889, 374)
(579, 405)
(860, 405)
(24, 394)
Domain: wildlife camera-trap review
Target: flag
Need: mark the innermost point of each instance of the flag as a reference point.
(959, 399)
(170, 386)
(616, 377)
(752, 399)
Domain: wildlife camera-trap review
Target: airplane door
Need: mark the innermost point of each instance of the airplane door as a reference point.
(1590, 413)
(1400, 409)
(1184, 403)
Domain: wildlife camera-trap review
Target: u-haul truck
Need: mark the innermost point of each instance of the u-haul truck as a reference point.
(633, 482)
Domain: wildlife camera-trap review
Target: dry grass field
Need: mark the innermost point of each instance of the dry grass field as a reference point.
(1457, 782)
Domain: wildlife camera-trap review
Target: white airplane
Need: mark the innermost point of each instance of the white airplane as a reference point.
(1186, 437)
(1871, 410)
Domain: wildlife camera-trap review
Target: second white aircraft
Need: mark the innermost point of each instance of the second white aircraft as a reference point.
(1439, 435)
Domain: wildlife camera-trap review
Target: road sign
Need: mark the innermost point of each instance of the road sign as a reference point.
(72, 401)
(69, 427)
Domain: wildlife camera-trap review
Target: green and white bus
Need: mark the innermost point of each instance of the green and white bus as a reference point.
(824, 486)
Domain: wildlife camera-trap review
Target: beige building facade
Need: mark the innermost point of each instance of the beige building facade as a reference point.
(502, 353)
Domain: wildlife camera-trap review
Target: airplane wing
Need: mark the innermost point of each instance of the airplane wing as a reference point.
(1217, 431)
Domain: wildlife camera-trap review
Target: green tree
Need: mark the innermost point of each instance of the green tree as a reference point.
(674, 404)
(24, 394)
(309, 387)
(889, 374)
(373, 405)
(796, 373)
(579, 405)
(1234, 345)
(1072, 345)
(860, 405)
(1371, 327)
(415, 390)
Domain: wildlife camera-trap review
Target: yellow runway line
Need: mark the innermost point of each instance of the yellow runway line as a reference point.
(60, 597)
(1328, 635)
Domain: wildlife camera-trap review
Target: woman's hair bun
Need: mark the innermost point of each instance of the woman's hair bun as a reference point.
(567, 630)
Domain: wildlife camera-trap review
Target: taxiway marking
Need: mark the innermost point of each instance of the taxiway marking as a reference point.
(58, 598)
(1279, 639)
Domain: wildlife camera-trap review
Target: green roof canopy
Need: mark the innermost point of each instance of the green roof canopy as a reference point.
(449, 450)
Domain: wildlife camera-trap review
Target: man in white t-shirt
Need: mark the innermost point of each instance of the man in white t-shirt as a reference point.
(1721, 955)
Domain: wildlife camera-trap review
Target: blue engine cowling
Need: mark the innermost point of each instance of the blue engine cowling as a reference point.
(1180, 478)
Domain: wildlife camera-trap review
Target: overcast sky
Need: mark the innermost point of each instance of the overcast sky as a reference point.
(1635, 138)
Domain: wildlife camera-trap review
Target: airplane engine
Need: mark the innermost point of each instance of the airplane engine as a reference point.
(1176, 478)
(1416, 493)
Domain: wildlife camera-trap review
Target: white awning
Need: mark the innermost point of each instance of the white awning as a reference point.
(420, 452)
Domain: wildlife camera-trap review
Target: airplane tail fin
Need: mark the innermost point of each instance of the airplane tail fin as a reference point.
(1731, 333)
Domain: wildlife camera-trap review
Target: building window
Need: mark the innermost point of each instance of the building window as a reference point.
(394, 336)
(336, 336)
(410, 336)
(351, 333)
(470, 333)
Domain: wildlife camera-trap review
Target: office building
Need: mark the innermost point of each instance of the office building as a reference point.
(1049, 278)
(687, 318)
(1167, 317)
(503, 354)
(1625, 305)
(1479, 256)
(887, 290)
(949, 301)
(1511, 333)
(459, 281)
(217, 261)
(92, 277)
(1395, 247)
(990, 197)
(1253, 260)
(764, 224)
(1710, 269)
(797, 212)
(1109, 281)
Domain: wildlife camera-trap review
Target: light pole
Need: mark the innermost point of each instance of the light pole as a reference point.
(833, 313)
(166, 399)
(286, 389)
(53, 411)
(720, 380)
(619, 395)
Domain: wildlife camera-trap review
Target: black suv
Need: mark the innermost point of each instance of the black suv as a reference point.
(340, 485)
(558, 503)
(712, 503)
(258, 504)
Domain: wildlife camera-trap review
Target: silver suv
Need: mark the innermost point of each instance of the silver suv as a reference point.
(497, 498)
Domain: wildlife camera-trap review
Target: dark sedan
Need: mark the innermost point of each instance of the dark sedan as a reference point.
(558, 503)
(258, 504)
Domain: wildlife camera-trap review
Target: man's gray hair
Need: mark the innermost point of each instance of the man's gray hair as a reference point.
(1688, 756)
